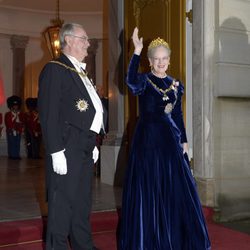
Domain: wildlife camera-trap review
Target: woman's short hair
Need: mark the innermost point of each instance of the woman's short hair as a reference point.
(156, 43)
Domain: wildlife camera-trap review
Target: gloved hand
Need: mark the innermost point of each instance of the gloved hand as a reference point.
(95, 154)
(59, 162)
(15, 116)
(185, 147)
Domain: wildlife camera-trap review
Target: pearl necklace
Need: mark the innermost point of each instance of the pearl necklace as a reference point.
(165, 74)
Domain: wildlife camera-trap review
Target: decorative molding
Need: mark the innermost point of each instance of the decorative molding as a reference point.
(3, 35)
(232, 64)
(168, 8)
(189, 16)
(27, 27)
(206, 191)
(19, 42)
(34, 11)
(232, 30)
(139, 5)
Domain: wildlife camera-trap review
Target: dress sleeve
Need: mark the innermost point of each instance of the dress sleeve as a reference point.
(177, 114)
(135, 81)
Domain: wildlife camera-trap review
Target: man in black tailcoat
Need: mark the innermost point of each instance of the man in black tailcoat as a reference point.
(71, 115)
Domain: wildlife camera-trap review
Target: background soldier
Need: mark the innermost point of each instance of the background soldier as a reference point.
(14, 126)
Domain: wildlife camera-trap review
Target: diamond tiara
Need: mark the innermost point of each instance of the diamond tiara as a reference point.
(158, 42)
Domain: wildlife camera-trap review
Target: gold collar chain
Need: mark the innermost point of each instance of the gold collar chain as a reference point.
(70, 68)
(165, 91)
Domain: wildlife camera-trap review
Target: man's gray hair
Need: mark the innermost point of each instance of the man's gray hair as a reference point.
(67, 29)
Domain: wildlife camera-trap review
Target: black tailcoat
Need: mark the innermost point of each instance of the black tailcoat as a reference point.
(66, 127)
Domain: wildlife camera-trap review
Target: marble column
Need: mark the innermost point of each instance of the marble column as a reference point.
(221, 106)
(91, 59)
(18, 45)
(203, 37)
(113, 150)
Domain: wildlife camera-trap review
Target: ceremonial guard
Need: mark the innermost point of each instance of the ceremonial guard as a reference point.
(32, 129)
(14, 122)
(1, 124)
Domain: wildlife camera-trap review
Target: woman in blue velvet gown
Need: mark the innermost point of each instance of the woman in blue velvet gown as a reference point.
(161, 208)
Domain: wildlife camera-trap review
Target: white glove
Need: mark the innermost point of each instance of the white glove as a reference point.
(185, 147)
(59, 162)
(95, 154)
(15, 116)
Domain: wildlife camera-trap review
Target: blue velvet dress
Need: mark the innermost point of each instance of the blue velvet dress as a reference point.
(161, 208)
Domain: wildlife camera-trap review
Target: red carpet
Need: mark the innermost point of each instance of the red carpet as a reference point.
(27, 235)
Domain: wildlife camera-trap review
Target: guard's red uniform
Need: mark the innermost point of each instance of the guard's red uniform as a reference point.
(14, 122)
(33, 134)
(32, 123)
(1, 124)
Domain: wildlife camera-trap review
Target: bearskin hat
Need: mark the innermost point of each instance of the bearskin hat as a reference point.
(14, 100)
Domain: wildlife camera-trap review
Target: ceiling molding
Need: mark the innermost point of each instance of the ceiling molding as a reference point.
(51, 12)
(51, 5)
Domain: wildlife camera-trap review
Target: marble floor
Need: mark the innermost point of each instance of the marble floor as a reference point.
(22, 191)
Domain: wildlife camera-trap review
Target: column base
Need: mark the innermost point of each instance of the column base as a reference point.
(206, 191)
(113, 161)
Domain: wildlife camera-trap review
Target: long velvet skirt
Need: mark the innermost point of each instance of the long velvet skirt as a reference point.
(161, 208)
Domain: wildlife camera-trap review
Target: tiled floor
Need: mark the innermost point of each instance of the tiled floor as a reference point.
(22, 192)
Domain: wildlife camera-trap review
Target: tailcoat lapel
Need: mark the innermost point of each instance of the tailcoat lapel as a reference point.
(74, 75)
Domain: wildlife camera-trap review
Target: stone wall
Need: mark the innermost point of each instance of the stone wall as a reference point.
(222, 105)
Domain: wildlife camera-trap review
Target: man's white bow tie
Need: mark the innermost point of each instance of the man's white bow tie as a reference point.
(82, 65)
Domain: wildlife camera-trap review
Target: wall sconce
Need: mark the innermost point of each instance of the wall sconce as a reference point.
(51, 35)
(189, 15)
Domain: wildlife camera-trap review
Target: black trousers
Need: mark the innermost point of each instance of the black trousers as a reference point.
(70, 196)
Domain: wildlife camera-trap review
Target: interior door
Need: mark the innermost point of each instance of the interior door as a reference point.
(154, 18)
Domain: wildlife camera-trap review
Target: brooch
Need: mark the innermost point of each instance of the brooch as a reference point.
(175, 85)
(168, 108)
(165, 97)
(82, 105)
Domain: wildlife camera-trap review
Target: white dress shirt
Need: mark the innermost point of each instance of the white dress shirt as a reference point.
(97, 123)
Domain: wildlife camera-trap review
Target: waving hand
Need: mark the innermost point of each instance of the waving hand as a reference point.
(138, 42)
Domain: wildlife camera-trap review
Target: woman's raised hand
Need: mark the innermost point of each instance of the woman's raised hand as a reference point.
(138, 42)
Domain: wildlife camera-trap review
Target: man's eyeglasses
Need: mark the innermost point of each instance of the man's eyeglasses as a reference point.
(84, 38)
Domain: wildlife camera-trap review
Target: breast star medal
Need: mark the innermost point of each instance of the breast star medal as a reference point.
(82, 105)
